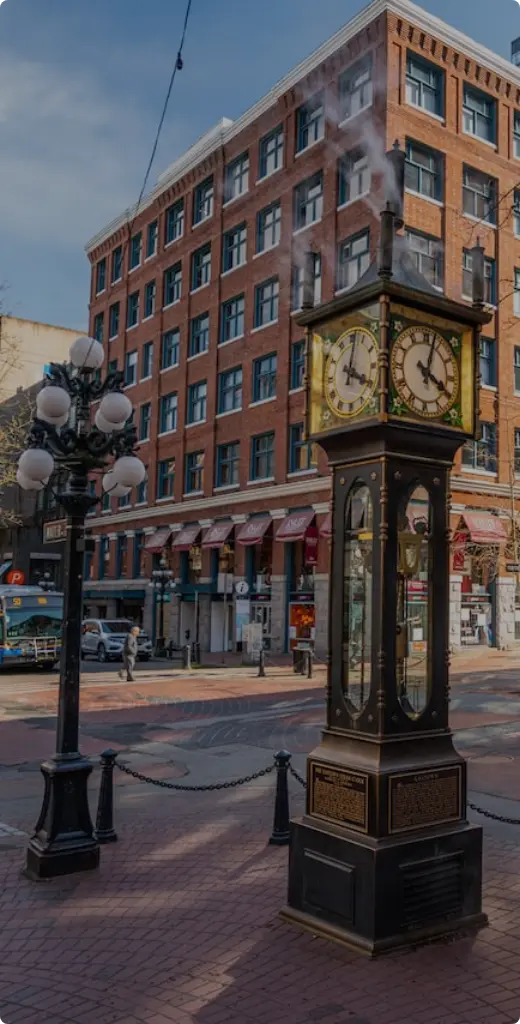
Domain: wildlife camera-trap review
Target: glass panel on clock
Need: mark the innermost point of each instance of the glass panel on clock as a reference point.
(357, 597)
(413, 602)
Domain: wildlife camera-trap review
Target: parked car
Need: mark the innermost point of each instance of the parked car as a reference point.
(104, 639)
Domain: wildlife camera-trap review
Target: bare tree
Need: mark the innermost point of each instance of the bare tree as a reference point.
(15, 416)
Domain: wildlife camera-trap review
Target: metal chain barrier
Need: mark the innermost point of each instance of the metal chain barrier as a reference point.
(494, 817)
(196, 789)
(296, 775)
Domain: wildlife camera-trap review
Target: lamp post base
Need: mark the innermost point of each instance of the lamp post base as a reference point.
(63, 842)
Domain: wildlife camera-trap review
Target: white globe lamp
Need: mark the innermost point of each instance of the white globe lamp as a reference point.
(29, 485)
(53, 405)
(104, 425)
(129, 471)
(36, 464)
(86, 354)
(115, 408)
(111, 486)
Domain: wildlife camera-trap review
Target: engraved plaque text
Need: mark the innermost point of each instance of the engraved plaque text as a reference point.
(419, 799)
(339, 795)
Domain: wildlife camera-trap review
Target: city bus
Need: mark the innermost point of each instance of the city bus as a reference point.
(30, 627)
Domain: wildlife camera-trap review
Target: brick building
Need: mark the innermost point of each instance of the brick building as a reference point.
(196, 303)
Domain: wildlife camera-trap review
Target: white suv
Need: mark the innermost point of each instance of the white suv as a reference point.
(104, 639)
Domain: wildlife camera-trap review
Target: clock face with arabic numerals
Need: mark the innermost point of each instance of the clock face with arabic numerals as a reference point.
(425, 372)
(351, 372)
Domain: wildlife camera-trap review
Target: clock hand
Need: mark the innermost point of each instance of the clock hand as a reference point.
(348, 369)
(358, 376)
(438, 383)
(430, 354)
(429, 376)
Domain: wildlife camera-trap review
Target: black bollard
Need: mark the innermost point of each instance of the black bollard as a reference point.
(104, 831)
(261, 663)
(281, 834)
(309, 664)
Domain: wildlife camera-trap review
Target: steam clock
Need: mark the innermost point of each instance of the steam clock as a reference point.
(384, 855)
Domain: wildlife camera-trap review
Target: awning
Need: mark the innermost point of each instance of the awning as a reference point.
(186, 538)
(217, 534)
(4, 567)
(484, 528)
(158, 540)
(295, 525)
(253, 531)
(326, 526)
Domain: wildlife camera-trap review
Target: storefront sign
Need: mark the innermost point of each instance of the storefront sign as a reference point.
(311, 546)
(241, 588)
(56, 531)
(16, 578)
(513, 567)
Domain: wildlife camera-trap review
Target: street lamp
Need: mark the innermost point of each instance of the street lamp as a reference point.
(162, 582)
(63, 436)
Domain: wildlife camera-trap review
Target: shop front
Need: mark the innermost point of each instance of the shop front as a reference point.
(477, 543)
(218, 541)
(256, 535)
(300, 535)
(186, 545)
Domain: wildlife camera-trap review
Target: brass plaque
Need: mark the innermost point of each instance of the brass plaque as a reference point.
(419, 799)
(339, 795)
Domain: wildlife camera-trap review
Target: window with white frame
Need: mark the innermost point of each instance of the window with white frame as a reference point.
(482, 454)
(516, 291)
(424, 85)
(234, 247)
(487, 362)
(266, 302)
(479, 195)
(426, 252)
(170, 348)
(174, 222)
(298, 283)
(356, 88)
(271, 152)
(264, 377)
(172, 288)
(424, 170)
(262, 456)
(516, 368)
(201, 267)
(310, 123)
(353, 259)
(489, 278)
(236, 177)
(479, 114)
(199, 335)
(516, 134)
(516, 213)
(268, 227)
(168, 413)
(136, 250)
(194, 473)
(232, 319)
(353, 177)
(203, 201)
(308, 201)
(197, 397)
(517, 454)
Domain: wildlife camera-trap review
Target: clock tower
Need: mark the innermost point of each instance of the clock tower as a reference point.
(384, 855)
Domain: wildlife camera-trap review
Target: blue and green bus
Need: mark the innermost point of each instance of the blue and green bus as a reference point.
(31, 622)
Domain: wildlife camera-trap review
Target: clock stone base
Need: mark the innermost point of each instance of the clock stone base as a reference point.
(377, 895)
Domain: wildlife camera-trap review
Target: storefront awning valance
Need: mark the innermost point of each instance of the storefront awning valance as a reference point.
(484, 528)
(186, 538)
(295, 525)
(254, 530)
(158, 540)
(217, 534)
(326, 526)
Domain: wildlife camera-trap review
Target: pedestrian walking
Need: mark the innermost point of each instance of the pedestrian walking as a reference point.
(129, 654)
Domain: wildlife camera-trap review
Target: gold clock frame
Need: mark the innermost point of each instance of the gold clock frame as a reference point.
(370, 391)
(456, 396)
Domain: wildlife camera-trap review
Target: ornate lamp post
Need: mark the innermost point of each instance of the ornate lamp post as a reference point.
(162, 582)
(63, 436)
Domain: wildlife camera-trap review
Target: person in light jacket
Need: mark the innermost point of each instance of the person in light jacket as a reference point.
(129, 654)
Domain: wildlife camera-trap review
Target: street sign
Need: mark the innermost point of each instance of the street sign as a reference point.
(16, 577)
(512, 566)
(54, 531)
(242, 588)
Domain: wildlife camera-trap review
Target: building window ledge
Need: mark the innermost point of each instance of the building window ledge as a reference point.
(192, 494)
(302, 472)
(228, 412)
(170, 304)
(479, 220)
(350, 202)
(427, 199)
(306, 227)
(261, 480)
(311, 145)
(352, 117)
(174, 240)
(270, 323)
(166, 433)
(165, 369)
(230, 340)
(160, 501)
(234, 199)
(262, 401)
(225, 273)
(268, 248)
(427, 113)
(478, 138)
(226, 487)
(197, 355)
(265, 177)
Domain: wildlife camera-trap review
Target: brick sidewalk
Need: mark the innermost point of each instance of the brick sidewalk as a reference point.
(180, 926)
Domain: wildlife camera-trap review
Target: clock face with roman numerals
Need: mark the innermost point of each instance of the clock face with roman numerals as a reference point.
(351, 372)
(425, 372)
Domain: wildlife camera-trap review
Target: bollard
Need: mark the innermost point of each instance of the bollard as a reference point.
(303, 663)
(104, 831)
(309, 664)
(261, 663)
(281, 833)
(187, 656)
(170, 650)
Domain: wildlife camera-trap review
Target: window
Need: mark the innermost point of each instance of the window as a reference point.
(268, 227)
(170, 348)
(298, 280)
(113, 320)
(194, 481)
(423, 171)
(230, 390)
(123, 500)
(353, 177)
(424, 85)
(117, 264)
(264, 377)
(149, 299)
(354, 259)
(151, 239)
(489, 278)
(236, 177)
(488, 372)
(235, 246)
(262, 457)
(516, 292)
(201, 267)
(136, 248)
(228, 464)
(142, 491)
(147, 360)
(517, 451)
(301, 453)
(101, 276)
(104, 556)
(426, 252)
(145, 419)
(112, 366)
(203, 201)
(165, 478)
(139, 555)
(479, 114)
(197, 394)
(482, 454)
(355, 88)
(98, 326)
(172, 284)
(199, 335)
(516, 368)
(266, 302)
(121, 554)
(174, 222)
(516, 213)
(308, 201)
(271, 152)
(297, 364)
(168, 413)
(132, 317)
(310, 123)
(232, 319)
(516, 134)
(479, 195)
(106, 502)
(130, 368)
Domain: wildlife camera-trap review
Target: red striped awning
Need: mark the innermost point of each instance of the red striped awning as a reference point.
(484, 528)
(295, 525)
(186, 538)
(158, 540)
(254, 530)
(326, 526)
(217, 534)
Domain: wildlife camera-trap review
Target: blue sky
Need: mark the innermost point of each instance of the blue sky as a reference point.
(81, 88)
